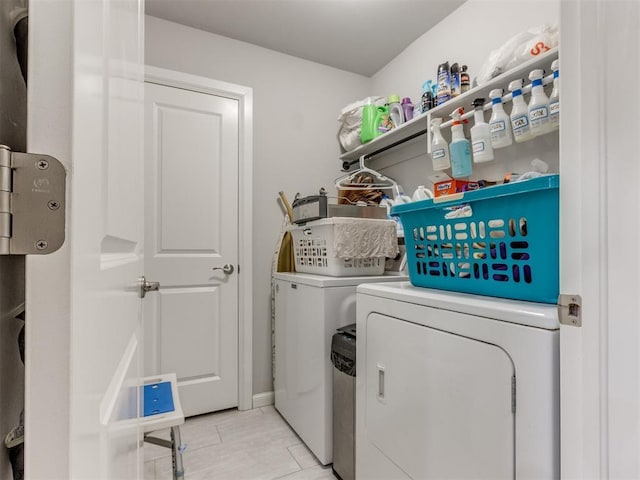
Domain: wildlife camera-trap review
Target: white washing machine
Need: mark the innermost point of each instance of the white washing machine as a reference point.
(308, 310)
(455, 386)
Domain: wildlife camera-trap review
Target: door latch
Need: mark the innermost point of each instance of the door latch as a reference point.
(144, 286)
(570, 310)
(32, 203)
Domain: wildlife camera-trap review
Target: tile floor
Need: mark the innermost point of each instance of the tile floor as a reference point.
(233, 445)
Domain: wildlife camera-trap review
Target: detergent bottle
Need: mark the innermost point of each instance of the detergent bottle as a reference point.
(480, 134)
(439, 147)
(395, 110)
(375, 121)
(519, 114)
(407, 108)
(369, 128)
(459, 150)
(538, 105)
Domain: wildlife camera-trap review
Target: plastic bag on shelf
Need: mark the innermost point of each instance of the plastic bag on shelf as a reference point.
(518, 49)
(351, 119)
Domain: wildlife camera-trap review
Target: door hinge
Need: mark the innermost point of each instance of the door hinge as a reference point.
(570, 310)
(513, 394)
(32, 203)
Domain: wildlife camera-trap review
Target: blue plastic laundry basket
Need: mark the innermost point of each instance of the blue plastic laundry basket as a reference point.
(499, 241)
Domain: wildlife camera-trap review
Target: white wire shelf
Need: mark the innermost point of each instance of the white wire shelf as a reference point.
(420, 124)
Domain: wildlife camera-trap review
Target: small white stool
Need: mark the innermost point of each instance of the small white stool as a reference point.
(162, 410)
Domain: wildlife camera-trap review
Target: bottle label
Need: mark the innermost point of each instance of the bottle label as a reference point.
(438, 154)
(538, 114)
(497, 127)
(478, 146)
(520, 124)
(554, 108)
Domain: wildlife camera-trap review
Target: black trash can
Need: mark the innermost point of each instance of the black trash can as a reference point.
(343, 357)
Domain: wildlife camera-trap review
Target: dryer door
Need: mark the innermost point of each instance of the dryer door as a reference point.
(438, 405)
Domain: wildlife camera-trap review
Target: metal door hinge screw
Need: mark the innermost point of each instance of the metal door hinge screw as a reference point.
(32, 193)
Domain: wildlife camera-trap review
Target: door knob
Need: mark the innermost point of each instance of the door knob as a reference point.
(144, 286)
(227, 269)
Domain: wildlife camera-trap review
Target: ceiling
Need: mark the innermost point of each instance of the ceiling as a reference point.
(359, 36)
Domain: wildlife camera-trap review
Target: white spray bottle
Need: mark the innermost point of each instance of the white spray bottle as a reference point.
(538, 105)
(554, 99)
(499, 124)
(461, 165)
(439, 147)
(519, 114)
(480, 134)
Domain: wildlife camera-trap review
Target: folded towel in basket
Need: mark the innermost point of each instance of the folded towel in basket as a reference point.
(364, 238)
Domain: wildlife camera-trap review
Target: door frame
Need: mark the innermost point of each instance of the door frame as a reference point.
(244, 96)
(600, 381)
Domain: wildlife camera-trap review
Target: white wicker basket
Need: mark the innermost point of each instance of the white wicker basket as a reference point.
(314, 253)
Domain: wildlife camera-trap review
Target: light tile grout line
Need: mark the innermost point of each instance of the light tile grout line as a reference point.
(294, 458)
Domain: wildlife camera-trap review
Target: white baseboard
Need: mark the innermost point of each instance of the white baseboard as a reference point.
(263, 399)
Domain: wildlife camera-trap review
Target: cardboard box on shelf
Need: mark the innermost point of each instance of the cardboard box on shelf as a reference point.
(443, 184)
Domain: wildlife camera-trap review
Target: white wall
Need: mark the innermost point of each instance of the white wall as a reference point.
(467, 36)
(295, 145)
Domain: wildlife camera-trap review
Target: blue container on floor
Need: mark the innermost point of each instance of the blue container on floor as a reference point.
(500, 241)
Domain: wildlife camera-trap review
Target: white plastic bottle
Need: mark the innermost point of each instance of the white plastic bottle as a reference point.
(554, 99)
(439, 147)
(461, 165)
(499, 124)
(538, 105)
(480, 134)
(519, 114)
(395, 110)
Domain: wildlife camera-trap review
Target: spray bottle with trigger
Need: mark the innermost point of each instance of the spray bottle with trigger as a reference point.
(519, 114)
(554, 99)
(480, 134)
(499, 122)
(459, 150)
(538, 105)
(439, 147)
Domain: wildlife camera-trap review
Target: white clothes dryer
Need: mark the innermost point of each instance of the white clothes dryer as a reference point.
(455, 386)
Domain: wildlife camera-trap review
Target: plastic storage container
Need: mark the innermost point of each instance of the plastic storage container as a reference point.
(498, 241)
(314, 252)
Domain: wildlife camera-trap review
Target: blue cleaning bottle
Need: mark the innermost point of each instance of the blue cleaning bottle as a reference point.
(461, 165)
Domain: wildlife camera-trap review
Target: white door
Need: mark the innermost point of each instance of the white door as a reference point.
(599, 144)
(85, 339)
(191, 225)
(106, 239)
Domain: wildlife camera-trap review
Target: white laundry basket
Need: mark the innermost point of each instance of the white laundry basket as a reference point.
(313, 246)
